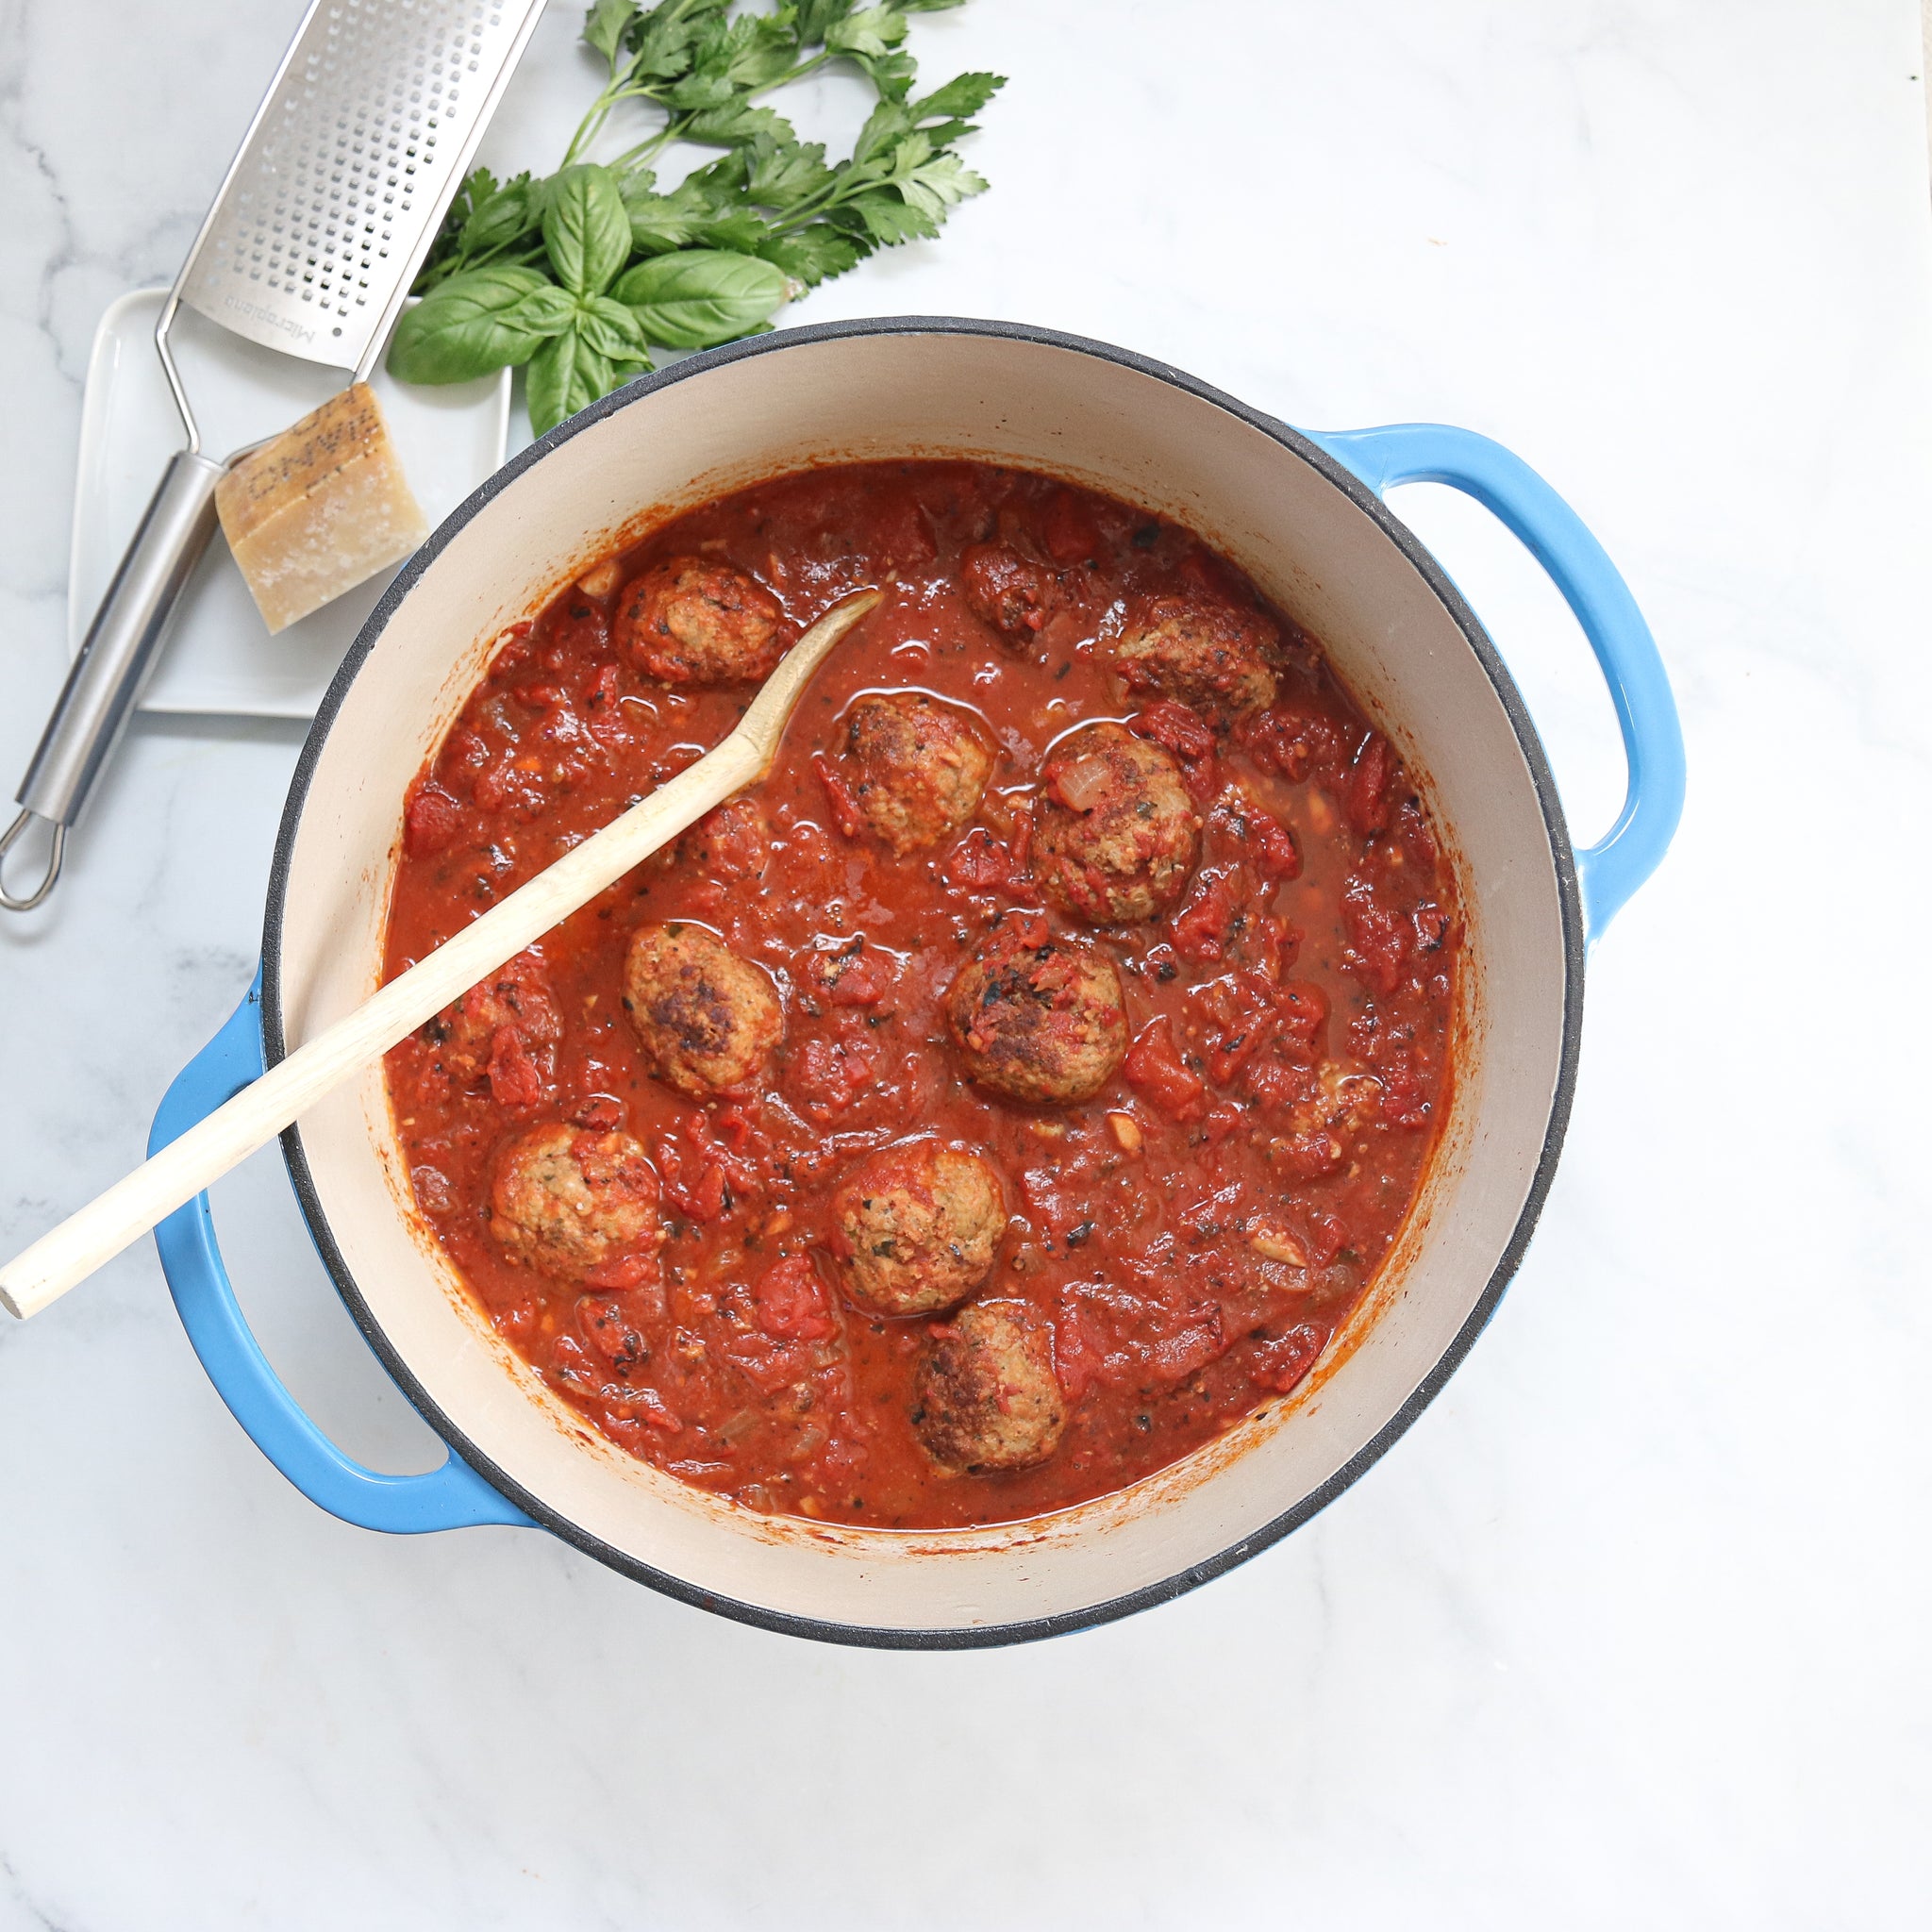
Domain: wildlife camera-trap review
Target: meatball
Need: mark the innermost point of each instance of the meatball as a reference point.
(986, 1398)
(731, 841)
(1116, 832)
(916, 768)
(915, 1228)
(688, 621)
(506, 1027)
(580, 1206)
(1009, 590)
(1206, 653)
(1035, 1018)
(705, 1019)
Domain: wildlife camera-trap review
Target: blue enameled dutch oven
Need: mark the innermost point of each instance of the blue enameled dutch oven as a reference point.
(1302, 515)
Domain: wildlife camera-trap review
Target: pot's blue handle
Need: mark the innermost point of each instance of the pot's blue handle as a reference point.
(1613, 868)
(451, 1497)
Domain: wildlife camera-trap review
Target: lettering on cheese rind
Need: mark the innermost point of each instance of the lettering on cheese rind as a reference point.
(319, 509)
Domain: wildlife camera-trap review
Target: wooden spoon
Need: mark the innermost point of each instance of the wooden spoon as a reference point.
(255, 1116)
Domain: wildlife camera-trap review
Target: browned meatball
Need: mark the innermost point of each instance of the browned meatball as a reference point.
(505, 1029)
(705, 1019)
(1035, 1018)
(1009, 590)
(1116, 832)
(688, 621)
(1206, 653)
(986, 1398)
(916, 1227)
(579, 1206)
(915, 768)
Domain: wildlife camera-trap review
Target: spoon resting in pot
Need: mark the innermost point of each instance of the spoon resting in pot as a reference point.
(71, 1252)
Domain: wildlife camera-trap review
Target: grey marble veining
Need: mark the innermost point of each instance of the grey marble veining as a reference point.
(1630, 1629)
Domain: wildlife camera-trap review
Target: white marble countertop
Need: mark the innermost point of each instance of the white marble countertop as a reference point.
(1631, 1627)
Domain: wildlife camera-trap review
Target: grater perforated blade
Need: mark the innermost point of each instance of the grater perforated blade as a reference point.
(321, 220)
(359, 146)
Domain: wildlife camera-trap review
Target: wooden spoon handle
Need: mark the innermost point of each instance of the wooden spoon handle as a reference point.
(71, 1252)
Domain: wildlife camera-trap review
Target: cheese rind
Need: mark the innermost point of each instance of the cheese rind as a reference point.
(319, 509)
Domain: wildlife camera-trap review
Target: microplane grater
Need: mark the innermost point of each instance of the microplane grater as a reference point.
(343, 176)
(314, 237)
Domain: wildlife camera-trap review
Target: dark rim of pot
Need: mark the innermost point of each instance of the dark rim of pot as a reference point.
(1197, 1573)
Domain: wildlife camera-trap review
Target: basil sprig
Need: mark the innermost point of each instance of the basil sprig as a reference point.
(581, 274)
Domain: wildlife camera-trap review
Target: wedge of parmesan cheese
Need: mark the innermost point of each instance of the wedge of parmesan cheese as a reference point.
(319, 508)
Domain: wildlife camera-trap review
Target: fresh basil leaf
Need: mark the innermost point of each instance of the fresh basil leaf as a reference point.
(566, 375)
(586, 229)
(700, 296)
(612, 330)
(541, 313)
(468, 326)
(605, 24)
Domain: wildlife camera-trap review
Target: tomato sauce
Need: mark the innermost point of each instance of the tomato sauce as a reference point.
(1193, 1235)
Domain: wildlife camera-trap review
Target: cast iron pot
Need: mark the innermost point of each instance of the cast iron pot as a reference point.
(1302, 514)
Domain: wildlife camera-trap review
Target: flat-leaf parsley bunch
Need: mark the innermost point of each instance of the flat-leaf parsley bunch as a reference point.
(582, 273)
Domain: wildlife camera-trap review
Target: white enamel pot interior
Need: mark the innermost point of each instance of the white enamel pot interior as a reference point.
(1321, 547)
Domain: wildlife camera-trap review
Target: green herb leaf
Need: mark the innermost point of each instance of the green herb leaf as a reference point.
(709, 196)
(579, 271)
(498, 218)
(884, 125)
(606, 25)
(479, 321)
(961, 97)
(784, 172)
(760, 51)
(566, 375)
(542, 313)
(815, 254)
(739, 231)
(737, 124)
(876, 31)
(586, 229)
(892, 74)
(699, 297)
(936, 185)
(888, 220)
(702, 90)
(817, 18)
(663, 40)
(612, 330)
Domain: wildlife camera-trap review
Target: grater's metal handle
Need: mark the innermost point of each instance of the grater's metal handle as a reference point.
(121, 644)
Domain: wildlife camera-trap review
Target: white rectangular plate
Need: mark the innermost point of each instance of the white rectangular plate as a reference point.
(220, 658)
